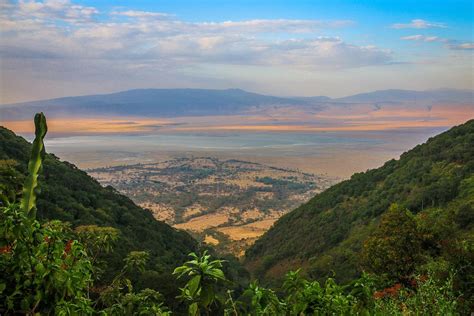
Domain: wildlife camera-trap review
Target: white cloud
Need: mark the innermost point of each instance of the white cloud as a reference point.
(147, 38)
(272, 26)
(55, 9)
(449, 43)
(140, 14)
(422, 38)
(418, 24)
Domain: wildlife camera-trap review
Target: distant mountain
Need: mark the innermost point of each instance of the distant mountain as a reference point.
(149, 102)
(400, 96)
(325, 235)
(316, 99)
(199, 102)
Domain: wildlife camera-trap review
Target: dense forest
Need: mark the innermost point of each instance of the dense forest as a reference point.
(399, 239)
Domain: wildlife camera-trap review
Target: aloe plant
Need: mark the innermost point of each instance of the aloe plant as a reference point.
(28, 201)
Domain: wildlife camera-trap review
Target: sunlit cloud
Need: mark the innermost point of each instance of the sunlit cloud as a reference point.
(418, 24)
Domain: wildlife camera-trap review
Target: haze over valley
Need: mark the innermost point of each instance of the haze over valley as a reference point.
(316, 134)
(224, 165)
(151, 110)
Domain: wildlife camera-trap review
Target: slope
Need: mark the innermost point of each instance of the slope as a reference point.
(69, 194)
(325, 235)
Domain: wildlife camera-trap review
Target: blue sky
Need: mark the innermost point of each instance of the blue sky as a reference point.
(368, 14)
(59, 47)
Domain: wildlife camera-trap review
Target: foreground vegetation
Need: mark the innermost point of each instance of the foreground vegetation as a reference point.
(52, 268)
(68, 194)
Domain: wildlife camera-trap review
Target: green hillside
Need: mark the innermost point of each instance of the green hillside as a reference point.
(435, 181)
(70, 195)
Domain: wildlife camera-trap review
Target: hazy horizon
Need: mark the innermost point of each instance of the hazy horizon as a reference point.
(362, 91)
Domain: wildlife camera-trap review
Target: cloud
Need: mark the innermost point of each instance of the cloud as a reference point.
(449, 43)
(65, 32)
(462, 46)
(56, 9)
(273, 26)
(140, 14)
(326, 52)
(418, 24)
(422, 38)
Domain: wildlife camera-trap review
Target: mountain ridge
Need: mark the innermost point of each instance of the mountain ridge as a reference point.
(402, 95)
(200, 102)
(149, 102)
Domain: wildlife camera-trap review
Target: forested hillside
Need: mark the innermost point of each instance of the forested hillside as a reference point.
(70, 195)
(325, 236)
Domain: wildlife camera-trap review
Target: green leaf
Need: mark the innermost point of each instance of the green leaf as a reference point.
(40, 269)
(193, 309)
(25, 304)
(180, 271)
(207, 296)
(194, 284)
(217, 273)
(28, 201)
(2, 287)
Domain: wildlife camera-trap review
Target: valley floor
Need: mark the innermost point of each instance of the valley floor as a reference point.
(226, 203)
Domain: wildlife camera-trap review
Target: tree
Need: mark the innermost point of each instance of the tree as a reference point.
(119, 299)
(394, 247)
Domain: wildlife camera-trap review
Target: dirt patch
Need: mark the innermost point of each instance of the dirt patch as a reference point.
(161, 212)
(208, 239)
(203, 222)
(263, 224)
(193, 210)
(241, 232)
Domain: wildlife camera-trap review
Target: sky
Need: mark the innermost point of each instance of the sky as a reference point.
(336, 48)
